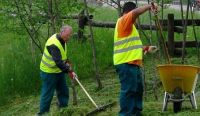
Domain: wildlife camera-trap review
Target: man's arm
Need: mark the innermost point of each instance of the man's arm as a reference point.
(56, 55)
(138, 11)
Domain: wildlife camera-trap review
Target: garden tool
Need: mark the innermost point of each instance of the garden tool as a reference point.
(158, 25)
(98, 108)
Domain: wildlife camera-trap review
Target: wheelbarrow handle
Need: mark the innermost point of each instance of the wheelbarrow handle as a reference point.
(86, 92)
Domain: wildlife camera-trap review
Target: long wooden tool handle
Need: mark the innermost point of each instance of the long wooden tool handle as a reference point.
(86, 92)
(158, 25)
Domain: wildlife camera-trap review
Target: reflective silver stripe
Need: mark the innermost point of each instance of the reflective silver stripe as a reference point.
(126, 41)
(128, 49)
(49, 58)
(45, 63)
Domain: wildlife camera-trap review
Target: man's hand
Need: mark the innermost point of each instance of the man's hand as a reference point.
(150, 49)
(72, 75)
(154, 7)
(69, 64)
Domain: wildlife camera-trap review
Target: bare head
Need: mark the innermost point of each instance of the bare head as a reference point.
(65, 32)
(128, 6)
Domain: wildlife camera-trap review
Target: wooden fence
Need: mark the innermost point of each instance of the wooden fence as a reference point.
(170, 25)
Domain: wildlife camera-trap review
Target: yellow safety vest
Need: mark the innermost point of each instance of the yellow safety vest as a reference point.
(128, 48)
(47, 64)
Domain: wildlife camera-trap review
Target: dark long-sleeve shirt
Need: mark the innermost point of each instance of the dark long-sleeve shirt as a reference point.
(56, 55)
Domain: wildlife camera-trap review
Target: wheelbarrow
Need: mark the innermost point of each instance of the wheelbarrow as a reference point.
(179, 82)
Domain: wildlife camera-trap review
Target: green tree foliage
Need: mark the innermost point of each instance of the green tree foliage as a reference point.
(24, 28)
(34, 14)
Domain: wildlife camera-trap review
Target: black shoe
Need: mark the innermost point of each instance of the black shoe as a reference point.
(138, 113)
(41, 113)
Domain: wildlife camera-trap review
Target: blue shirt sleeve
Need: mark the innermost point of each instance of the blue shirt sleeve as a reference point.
(56, 55)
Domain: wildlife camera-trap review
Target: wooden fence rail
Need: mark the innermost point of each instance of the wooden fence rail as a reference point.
(170, 25)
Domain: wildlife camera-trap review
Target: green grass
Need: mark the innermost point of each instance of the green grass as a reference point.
(110, 93)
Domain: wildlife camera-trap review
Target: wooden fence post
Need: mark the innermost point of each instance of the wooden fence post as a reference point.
(81, 25)
(93, 48)
(170, 28)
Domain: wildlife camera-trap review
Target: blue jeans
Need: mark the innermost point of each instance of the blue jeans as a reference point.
(131, 89)
(50, 83)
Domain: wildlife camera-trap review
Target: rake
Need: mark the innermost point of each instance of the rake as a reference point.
(98, 108)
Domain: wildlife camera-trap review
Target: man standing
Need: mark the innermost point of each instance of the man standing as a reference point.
(128, 53)
(53, 67)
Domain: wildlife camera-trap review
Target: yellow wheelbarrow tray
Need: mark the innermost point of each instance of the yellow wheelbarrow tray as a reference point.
(178, 80)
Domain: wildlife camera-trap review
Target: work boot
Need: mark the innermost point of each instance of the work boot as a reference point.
(41, 114)
(138, 113)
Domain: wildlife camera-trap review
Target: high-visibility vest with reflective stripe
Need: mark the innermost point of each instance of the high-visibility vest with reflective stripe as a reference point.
(47, 64)
(128, 48)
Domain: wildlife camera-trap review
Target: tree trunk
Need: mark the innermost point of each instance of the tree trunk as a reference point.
(93, 49)
(81, 25)
(51, 16)
(119, 9)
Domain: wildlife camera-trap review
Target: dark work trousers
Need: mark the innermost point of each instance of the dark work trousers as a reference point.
(131, 89)
(50, 83)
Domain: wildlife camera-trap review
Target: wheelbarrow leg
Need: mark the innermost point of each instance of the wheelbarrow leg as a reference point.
(193, 100)
(165, 102)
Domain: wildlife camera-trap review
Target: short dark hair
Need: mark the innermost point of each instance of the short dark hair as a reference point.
(128, 6)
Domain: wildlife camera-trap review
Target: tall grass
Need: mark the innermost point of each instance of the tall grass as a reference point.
(19, 68)
(81, 53)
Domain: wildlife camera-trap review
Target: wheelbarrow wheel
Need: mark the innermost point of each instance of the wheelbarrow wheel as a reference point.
(177, 106)
(177, 95)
